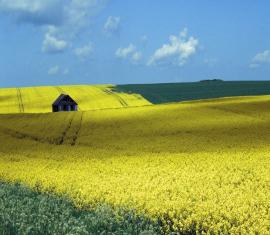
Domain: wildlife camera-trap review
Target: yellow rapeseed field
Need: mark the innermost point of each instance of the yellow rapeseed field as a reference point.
(90, 97)
(201, 166)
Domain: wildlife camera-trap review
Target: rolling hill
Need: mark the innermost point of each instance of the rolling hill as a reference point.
(191, 167)
(40, 99)
(93, 97)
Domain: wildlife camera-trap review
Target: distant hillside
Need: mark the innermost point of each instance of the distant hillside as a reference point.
(173, 92)
(93, 97)
(40, 99)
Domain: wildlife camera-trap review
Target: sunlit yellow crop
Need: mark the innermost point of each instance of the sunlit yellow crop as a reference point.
(89, 97)
(197, 166)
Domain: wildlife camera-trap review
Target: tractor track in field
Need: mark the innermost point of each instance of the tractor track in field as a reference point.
(71, 132)
(20, 101)
(62, 138)
(28, 136)
(119, 98)
(21, 135)
(76, 134)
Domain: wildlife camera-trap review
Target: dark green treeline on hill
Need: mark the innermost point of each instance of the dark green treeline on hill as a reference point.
(173, 92)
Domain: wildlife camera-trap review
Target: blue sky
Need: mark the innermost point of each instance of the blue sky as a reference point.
(116, 41)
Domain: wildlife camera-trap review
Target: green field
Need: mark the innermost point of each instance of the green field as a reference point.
(174, 92)
(196, 167)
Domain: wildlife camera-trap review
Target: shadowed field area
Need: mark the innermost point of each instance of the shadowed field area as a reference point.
(25, 211)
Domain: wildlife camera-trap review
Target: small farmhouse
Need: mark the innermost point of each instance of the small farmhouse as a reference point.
(64, 103)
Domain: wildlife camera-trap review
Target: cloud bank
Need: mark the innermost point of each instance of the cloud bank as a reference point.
(37, 12)
(61, 20)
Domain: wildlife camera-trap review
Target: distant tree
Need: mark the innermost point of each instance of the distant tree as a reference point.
(211, 80)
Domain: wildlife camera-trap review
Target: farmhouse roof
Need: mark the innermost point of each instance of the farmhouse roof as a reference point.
(64, 98)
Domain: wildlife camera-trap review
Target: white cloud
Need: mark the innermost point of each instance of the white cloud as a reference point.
(57, 70)
(125, 52)
(136, 56)
(84, 52)
(52, 12)
(53, 45)
(262, 57)
(78, 13)
(112, 24)
(177, 51)
(129, 52)
(54, 70)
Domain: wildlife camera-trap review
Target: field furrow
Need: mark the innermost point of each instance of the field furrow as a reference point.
(20, 101)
